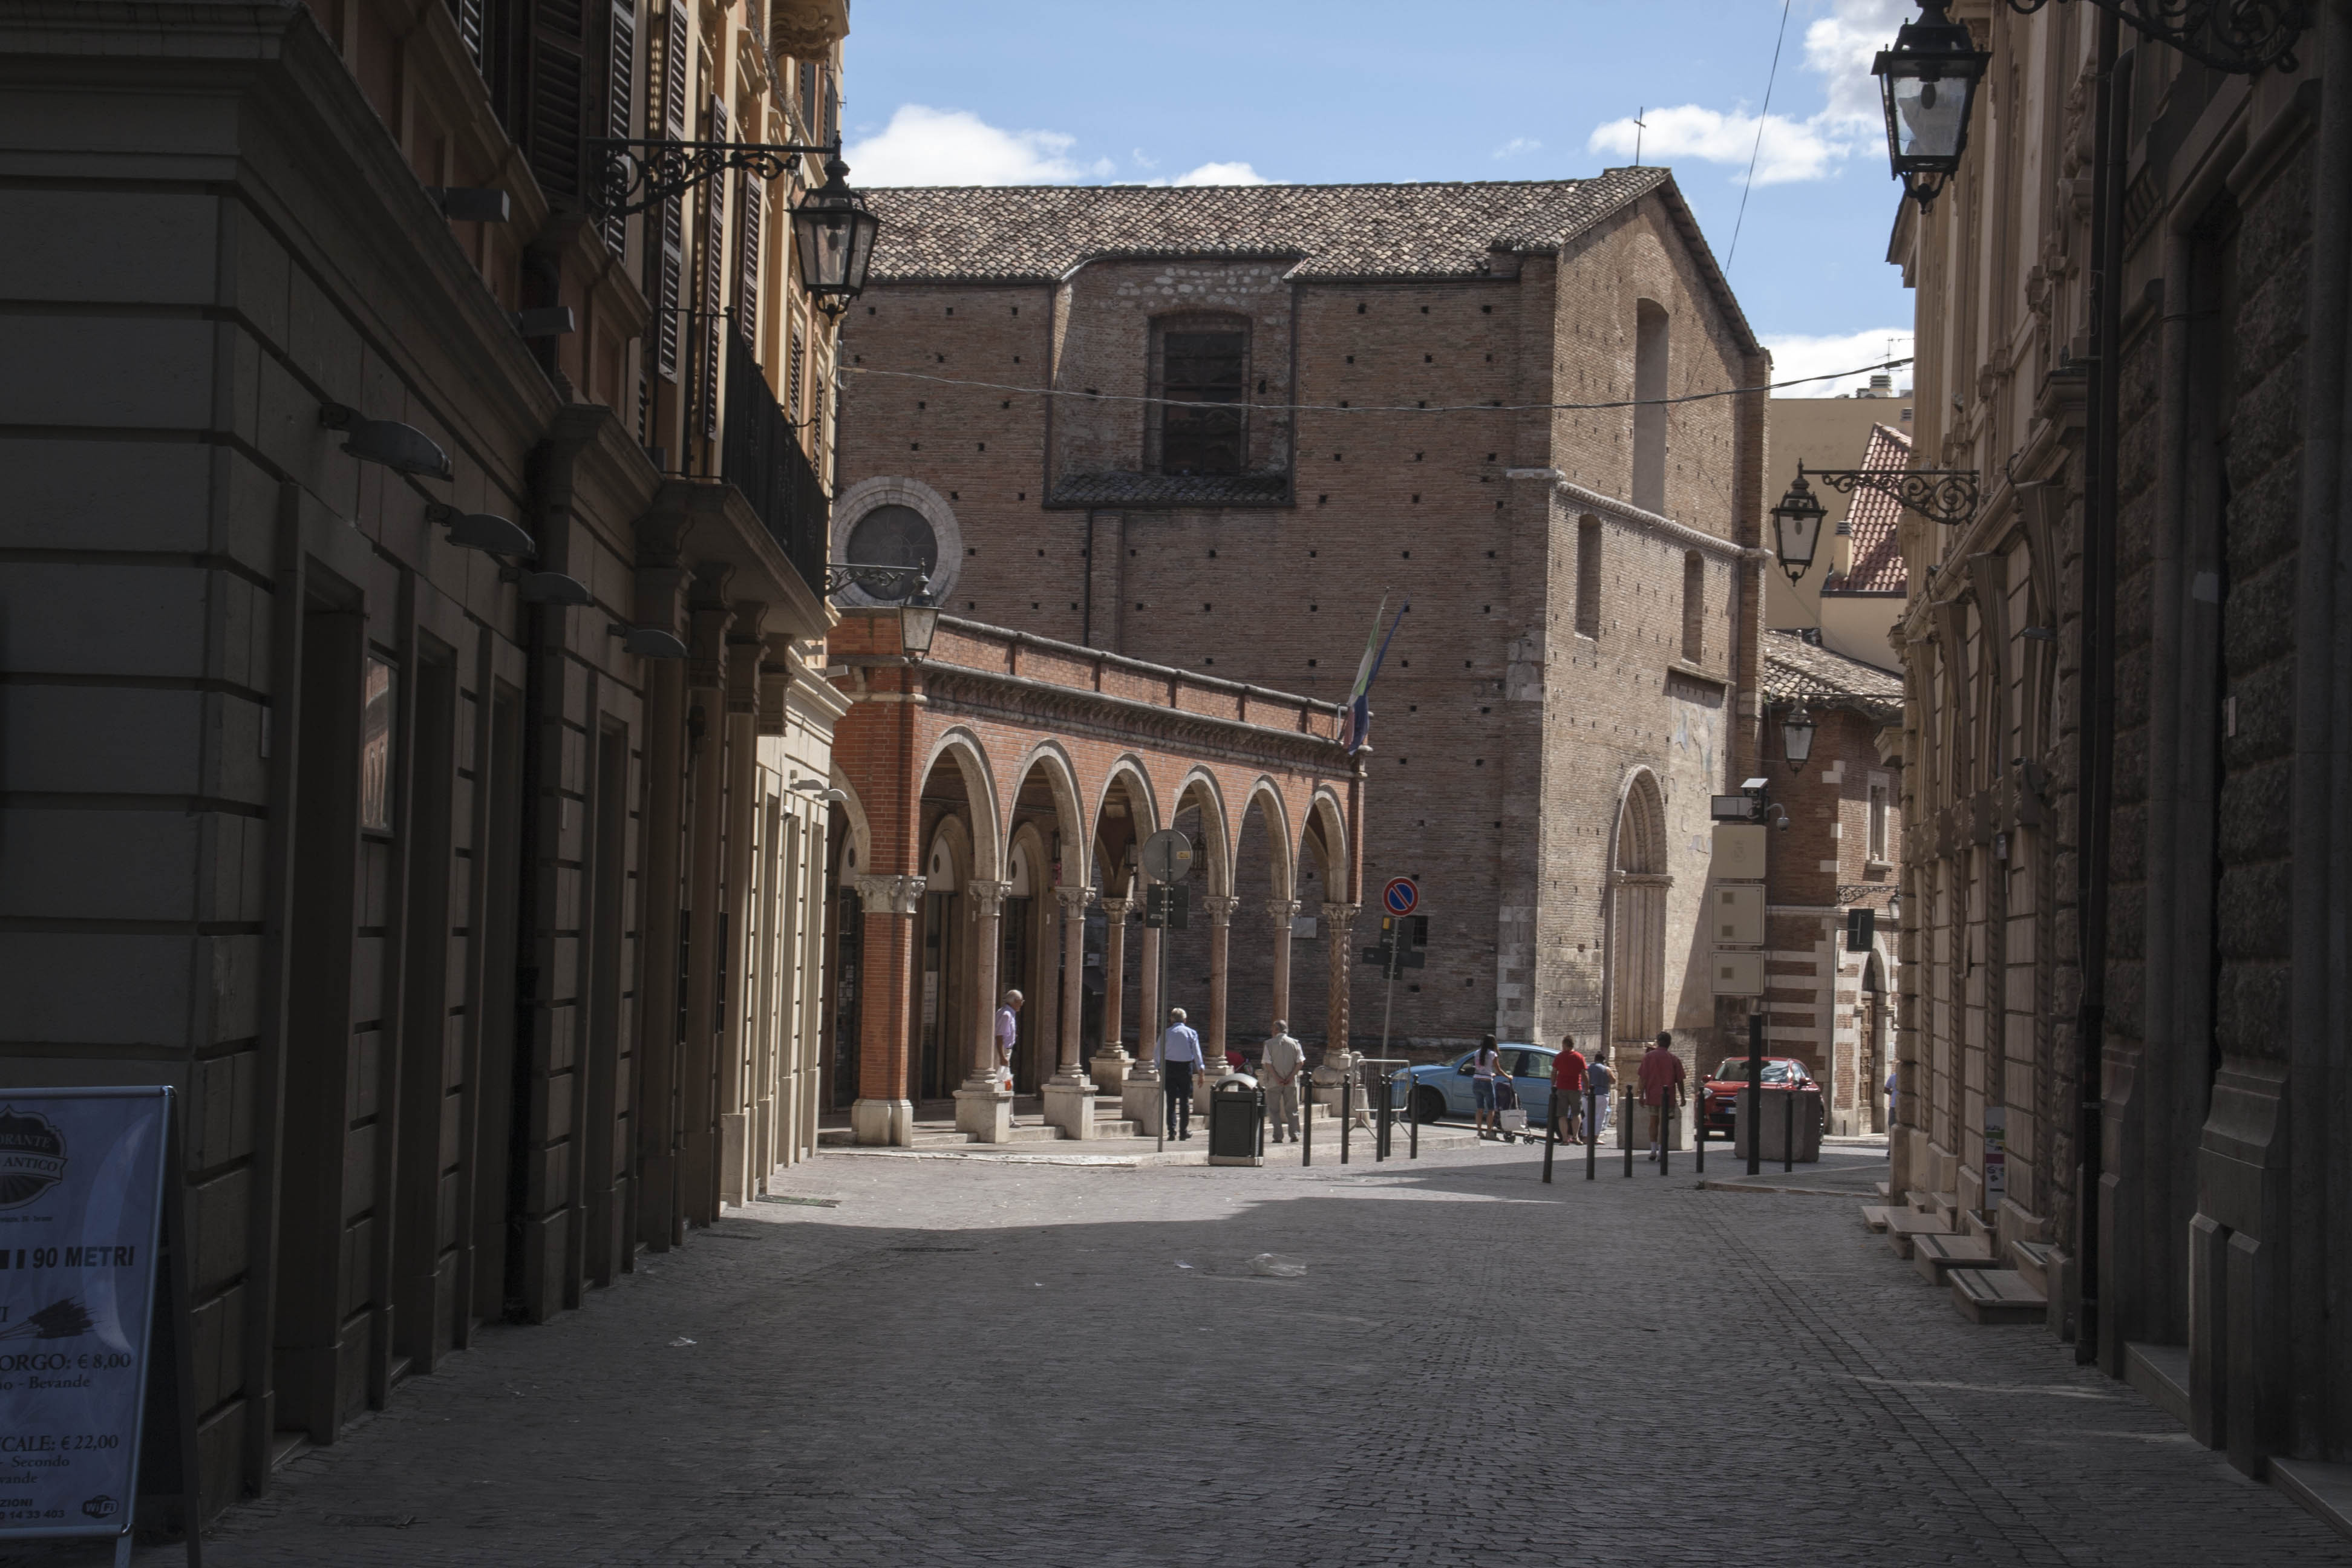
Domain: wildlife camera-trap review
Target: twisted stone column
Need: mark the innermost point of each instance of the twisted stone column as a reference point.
(1070, 1096)
(1339, 921)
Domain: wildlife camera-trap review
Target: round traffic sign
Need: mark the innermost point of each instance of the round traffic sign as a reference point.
(1167, 856)
(1400, 895)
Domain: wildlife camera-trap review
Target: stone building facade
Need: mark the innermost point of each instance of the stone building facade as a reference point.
(2125, 850)
(405, 694)
(1210, 427)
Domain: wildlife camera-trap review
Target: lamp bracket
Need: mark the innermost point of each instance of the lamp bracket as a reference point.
(1849, 893)
(640, 172)
(2241, 37)
(1948, 496)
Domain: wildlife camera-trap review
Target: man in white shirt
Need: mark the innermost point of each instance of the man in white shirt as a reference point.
(1008, 1035)
(1284, 1057)
(1180, 1058)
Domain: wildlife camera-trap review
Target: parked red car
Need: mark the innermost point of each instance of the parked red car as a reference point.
(1719, 1098)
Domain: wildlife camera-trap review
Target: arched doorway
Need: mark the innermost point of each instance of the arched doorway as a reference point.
(1637, 921)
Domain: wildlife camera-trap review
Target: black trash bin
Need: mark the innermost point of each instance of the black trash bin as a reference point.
(1237, 1122)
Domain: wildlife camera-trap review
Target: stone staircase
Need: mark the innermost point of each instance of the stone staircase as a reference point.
(1954, 1248)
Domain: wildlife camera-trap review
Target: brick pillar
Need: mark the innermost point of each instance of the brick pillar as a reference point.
(1220, 908)
(1111, 1064)
(1070, 1095)
(1281, 911)
(883, 1113)
(984, 1104)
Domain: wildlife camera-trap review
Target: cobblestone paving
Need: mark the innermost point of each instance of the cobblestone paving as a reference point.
(1054, 1365)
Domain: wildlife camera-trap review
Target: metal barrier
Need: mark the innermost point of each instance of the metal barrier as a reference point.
(1384, 1128)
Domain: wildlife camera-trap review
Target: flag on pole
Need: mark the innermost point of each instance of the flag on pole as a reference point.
(1376, 650)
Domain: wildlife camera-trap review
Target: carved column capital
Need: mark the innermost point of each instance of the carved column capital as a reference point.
(1074, 901)
(987, 897)
(891, 895)
(1342, 916)
(1118, 909)
(1282, 911)
(1220, 908)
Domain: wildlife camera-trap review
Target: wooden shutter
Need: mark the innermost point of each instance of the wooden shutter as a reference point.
(667, 261)
(554, 126)
(714, 276)
(468, 16)
(794, 354)
(620, 102)
(747, 294)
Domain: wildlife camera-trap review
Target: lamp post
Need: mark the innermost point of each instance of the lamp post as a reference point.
(1929, 82)
(834, 233)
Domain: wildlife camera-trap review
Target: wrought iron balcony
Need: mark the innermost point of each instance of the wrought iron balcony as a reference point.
(762, 457)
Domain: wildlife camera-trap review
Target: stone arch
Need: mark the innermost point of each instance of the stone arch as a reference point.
(1062, 779)
(1282, 859)
(970, 755)
(1635, 966)
(1324, 835)
(857, 858)
(1216, 851)
(1128, 785)
(851, 507)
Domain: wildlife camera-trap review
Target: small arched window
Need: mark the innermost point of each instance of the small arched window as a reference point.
(1650, 333)
(1694, 607)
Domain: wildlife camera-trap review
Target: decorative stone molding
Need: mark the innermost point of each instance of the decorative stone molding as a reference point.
(1220, 908)
(1342, 916)
(1074, 901)
(1282, 911)
(807, 29)
(890, 895)
(1119, 908)
(987, 899)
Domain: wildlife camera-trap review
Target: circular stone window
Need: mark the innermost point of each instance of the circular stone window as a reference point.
(893, 535)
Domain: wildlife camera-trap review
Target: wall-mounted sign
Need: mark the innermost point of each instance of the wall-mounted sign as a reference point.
(82, 1211)
(1996, 1155)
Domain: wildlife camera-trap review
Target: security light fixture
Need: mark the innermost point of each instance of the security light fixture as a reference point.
(648, 642)
(834, 233)
(462, 203)
(553, 588)
(1797, 738)
(1929, 81)
(1797, 524)
(1731, 808)
(403, 448)
(1755, 786)
(482, 530)
(546, 321)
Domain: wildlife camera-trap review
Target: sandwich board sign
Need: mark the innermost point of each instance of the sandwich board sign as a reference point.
(81, 1216)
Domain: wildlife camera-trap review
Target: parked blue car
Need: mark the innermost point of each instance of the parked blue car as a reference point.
(1442, 1089)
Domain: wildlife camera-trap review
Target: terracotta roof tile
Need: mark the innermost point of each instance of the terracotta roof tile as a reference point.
(1877, 559)
(1797, 670)
(1443, 229)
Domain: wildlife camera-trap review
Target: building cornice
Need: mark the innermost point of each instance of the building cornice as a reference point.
(1649, 521)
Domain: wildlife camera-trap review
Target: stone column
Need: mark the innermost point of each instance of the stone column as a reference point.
(883, 1113)
(1111, 1064)
(1339, 922)
(984, 1105)
(1281, 911)
(1070, 1094)
(1139, 1097)
(1220, 908)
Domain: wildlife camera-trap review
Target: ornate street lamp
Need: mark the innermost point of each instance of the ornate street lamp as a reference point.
(1797, 522)
(834, 233)
(919, 622)
(1797, 738)
(1930, 79)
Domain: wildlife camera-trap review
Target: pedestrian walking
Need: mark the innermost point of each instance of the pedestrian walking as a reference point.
(1008, 1034)
(1663, 1080)
(1599, 1079)
(1180, 1058)
(1890, 1100)
(1483, 1068)
(1567, 1091)
(1284, 1060)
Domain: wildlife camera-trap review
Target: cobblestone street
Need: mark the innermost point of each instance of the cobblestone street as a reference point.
(1048, 1363)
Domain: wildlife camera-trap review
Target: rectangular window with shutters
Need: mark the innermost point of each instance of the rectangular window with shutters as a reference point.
(794, 366)
(747, 287)
(556, 135)
(665, 260)
(1878, 822)
(620, 104)
(1200, 365)
(714, 275)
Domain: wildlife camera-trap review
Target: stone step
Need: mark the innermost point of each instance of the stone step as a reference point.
(1904, 1225)
(2033, 1260)
(1885, 1191)
(1997, 1296)
(2161, 1372)
(1974, 1224)
(1921, 1200)
(1935, 1256)
(1874, 1216)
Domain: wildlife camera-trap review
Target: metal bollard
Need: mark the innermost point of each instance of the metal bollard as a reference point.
(1665, 1131)
(1591, 1138)
(1307, 1117)
(1551, 1137)
(1788, 1128)
(1412, 1122)
(1698, 1133)
(1346, 1111)
(1626, 1129)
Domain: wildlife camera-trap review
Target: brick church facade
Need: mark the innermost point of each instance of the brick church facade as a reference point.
(1210, 427)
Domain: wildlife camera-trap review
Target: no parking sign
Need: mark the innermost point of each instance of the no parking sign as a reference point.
(1401, 895)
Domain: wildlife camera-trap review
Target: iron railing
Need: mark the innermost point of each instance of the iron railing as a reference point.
(762, 457)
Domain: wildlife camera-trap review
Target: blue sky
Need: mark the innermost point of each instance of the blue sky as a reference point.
(1311, 91)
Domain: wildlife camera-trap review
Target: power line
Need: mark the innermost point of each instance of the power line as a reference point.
(1373, 408)
(1762, 121)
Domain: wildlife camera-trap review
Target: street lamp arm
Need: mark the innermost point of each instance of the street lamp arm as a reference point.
(874, 579)
(1948, 496)
(2241, 37)
(639, 172)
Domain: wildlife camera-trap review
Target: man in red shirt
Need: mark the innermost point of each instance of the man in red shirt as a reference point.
(1662, 1075)
(1567, 1091)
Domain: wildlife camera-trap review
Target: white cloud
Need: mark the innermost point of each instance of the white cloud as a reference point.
(1796, 356)
(925, 146)
(1838, 49)
(1792, 150)
(1516, 145)
(1222, 175)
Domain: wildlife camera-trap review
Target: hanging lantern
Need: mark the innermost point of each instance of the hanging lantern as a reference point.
(1930, 79)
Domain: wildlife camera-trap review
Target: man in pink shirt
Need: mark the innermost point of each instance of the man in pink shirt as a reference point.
(1661, 1076)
